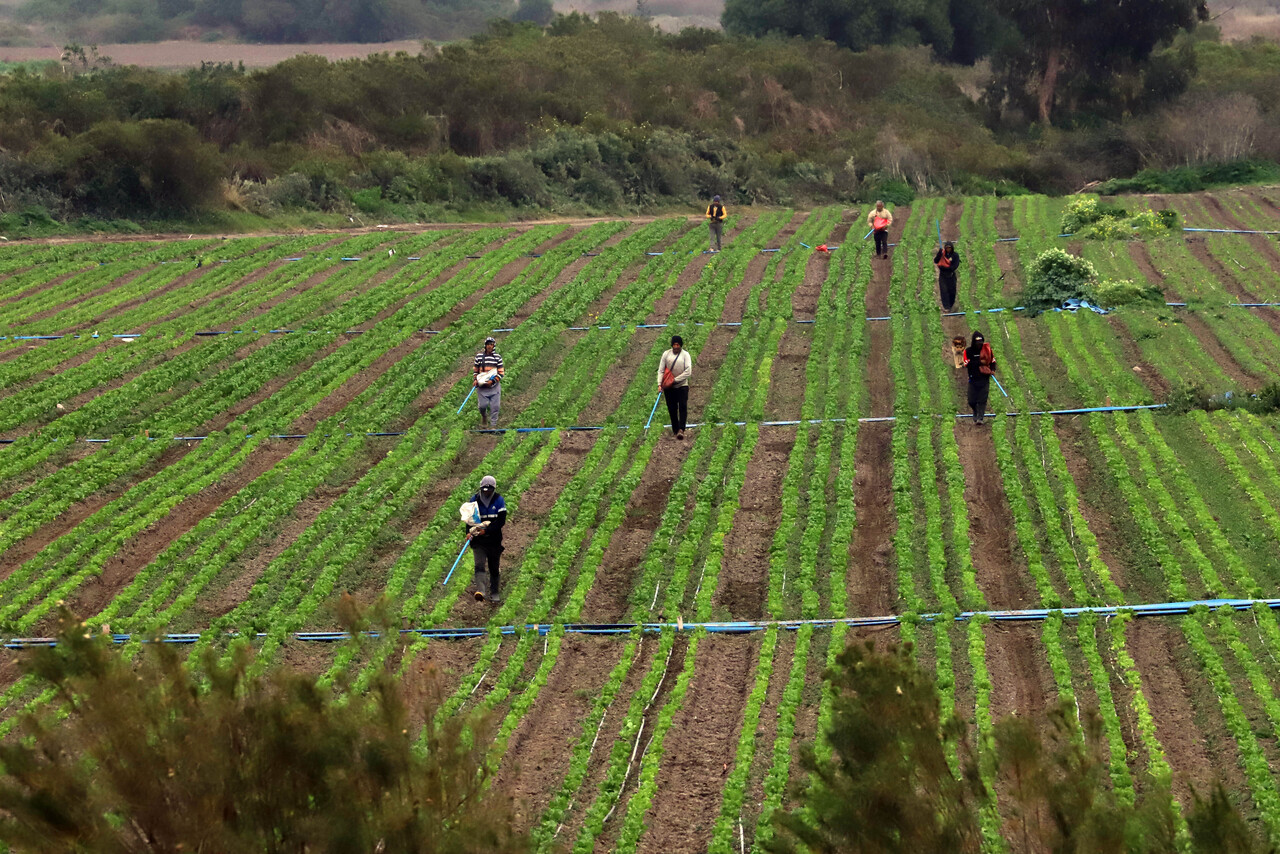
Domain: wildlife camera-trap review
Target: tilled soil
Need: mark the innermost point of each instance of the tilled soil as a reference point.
(538, 750)
(1199, 759)
(744, 575)
(997, 560)
(871, 583)
(701, 746)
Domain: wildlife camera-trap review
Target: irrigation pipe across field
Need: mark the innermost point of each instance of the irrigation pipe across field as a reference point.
(501, 430)
(1160, 609)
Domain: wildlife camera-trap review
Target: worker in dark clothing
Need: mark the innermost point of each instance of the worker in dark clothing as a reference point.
(715, 221)
(947, 260)
(981, 364)
(486, 537)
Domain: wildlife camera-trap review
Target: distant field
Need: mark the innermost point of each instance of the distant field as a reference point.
(182, 54)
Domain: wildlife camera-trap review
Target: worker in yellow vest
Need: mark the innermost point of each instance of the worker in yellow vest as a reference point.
(715, 220)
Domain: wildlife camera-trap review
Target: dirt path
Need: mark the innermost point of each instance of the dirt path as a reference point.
(871, 584)
(1194, 739)
(701, 748)
(744, 575)
(536, 753)
(1002, 576)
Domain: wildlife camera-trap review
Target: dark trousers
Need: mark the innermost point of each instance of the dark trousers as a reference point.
(490, 553)
(882, 241)
(978, 390)
(677, 406)
(947, 290)
(717, 231)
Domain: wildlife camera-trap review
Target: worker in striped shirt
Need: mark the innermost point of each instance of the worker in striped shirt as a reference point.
(488, 381)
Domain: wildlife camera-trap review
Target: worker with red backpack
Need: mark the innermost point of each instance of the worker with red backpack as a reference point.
(880, 219)
(947, 260)
(981, 363)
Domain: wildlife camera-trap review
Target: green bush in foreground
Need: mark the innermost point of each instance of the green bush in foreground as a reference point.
(155, 755)
(889, 786)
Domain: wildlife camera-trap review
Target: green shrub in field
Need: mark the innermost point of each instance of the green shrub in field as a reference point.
(1057, 276)
(1114, 292)
(1091, 219)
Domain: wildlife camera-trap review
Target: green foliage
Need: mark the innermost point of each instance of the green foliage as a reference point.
(157, 754)
(888, 785)
(1093, 54)
(1191, 179)
(1114, 292)
(1087, 217)
(855, 24)
(1056, 276)
(501, 123)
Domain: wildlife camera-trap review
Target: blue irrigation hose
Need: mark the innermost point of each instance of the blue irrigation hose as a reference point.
(465, 399)
(652, 411)
(455, 562)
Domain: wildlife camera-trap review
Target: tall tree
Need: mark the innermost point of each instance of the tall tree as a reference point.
(1063, 40)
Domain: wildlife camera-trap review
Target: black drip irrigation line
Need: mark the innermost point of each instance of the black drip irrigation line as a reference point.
(595, 428)
(740, 627)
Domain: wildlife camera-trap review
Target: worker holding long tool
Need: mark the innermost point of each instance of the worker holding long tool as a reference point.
(947, 260)
(488, 381)
(486, 537)
(674, 369)
(880, 219)
(715, 222)
(981, 363)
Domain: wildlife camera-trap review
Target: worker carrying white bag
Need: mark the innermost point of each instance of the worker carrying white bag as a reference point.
(488, 382)
(485, 515)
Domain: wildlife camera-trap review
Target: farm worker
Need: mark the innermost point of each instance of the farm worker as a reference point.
(981, 364)
(488, 379)
(486, 537)
(880, 219)
(674, 369)
(947, 260)
(715, 221)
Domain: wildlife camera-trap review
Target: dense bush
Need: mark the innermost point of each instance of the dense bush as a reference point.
(1116, 292)
(160, 755)
(1056, 276)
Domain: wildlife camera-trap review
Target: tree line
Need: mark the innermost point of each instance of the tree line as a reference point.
(607, 115)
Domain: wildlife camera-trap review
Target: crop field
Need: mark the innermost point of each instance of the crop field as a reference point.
(230, 447)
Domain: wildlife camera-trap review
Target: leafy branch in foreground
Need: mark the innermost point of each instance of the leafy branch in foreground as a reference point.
(887, 785)
(156, 754)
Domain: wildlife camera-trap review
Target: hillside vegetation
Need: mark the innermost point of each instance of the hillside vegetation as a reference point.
(601, 115)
